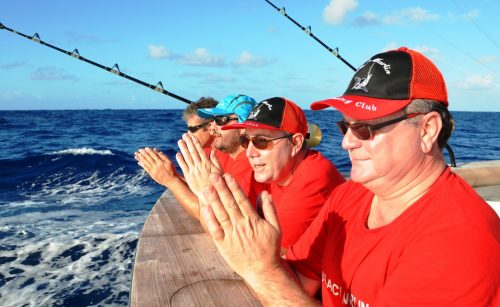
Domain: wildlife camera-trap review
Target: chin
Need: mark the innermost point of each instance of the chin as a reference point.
(359, 175)
(262, 178)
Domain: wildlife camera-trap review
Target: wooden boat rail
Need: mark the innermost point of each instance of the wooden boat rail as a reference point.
(177, 264)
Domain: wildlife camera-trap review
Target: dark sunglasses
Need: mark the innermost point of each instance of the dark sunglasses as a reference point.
(222, 120)
(364, 131)
(193, 129)
(260, 142)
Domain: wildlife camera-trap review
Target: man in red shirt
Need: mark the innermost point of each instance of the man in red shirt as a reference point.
(403, 231)
(229, 152)
(298, 178)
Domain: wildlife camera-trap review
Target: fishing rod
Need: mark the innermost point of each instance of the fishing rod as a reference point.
(115, 69)
(308, 31)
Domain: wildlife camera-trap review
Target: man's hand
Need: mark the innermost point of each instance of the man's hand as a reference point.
(195, 164)
(157, 165)
(249, 244)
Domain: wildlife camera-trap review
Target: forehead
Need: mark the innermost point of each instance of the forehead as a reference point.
(194, 120)
(263, 132)
(372, 121)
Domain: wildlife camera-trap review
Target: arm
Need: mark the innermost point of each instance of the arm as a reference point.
(251, 244)
(162, 170)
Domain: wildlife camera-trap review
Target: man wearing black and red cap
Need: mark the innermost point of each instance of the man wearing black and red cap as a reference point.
(299, 179)
(404, 230)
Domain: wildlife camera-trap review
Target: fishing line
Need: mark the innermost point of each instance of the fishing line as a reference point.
(335, 51)
(115, 69)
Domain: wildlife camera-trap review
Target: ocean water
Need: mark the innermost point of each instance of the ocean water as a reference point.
(73, 200)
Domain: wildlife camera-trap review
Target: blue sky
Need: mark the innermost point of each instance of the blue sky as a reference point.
(216, 48)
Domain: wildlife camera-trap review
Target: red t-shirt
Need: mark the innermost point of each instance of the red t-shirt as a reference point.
(298, 203)
(443, 250)
(241, 170)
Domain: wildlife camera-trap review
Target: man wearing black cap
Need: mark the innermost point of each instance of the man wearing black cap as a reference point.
(299, 179)
(404, 230)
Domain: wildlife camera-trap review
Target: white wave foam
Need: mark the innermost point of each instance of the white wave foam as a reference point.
(102, 246)
(95, 189)
(82, 151)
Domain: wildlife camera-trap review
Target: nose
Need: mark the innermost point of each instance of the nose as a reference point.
(252, 151)
(213, 127)
(350, 141)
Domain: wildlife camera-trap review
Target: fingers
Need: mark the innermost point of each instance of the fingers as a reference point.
(182, 163)
(215, 162)
(218, 215)
(235, 192)
(142, 158)
(265, 202)
(192, 154)
(211, 222)
(162, 156)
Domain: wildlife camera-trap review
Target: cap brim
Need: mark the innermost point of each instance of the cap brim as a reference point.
(361, 107)
(209, 113)
(248, 124)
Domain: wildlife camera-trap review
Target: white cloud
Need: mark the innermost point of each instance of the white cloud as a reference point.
(201, 57)
(368, 18)
(247, 59)
(51, 73)
(409, 15)
(472, 14)
(488, 59)
(211, 78)
(334, 13)
(432, 53)
(158, 52)
(16, 95)
(391, 46)
(477, 82)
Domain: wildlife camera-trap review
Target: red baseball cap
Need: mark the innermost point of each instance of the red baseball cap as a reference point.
(387, 83)
(275, 113)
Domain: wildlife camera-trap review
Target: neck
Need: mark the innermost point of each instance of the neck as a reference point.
(233, 154)
(387, 205)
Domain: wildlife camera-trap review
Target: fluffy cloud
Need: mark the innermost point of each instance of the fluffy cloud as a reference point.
(367, 19)
(12, 65)
(51, 73)
(158, 52)
(247, 59)
(409, 15)
(488, 59)
(201, 57)
(335, 12)
(477, 82)
(412, 15)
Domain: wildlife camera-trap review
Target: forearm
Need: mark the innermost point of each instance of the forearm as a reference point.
(280, 287)
(186, 198)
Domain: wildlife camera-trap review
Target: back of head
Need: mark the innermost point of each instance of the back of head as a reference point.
(240, 105)
(202, 103)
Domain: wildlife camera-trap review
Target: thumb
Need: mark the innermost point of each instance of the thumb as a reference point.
(268, 210)
(214, 160)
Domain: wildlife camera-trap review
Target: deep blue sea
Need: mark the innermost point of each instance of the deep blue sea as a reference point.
(73, 200)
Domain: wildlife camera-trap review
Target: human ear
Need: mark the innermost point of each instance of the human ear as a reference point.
(297, 141)
(431, 124)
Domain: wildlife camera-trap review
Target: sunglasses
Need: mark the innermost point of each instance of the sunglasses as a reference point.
(193, 129)
(222, 120)
(260, 142)
(364, 131)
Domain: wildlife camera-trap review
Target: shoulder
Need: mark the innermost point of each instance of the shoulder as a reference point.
(315, 166)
